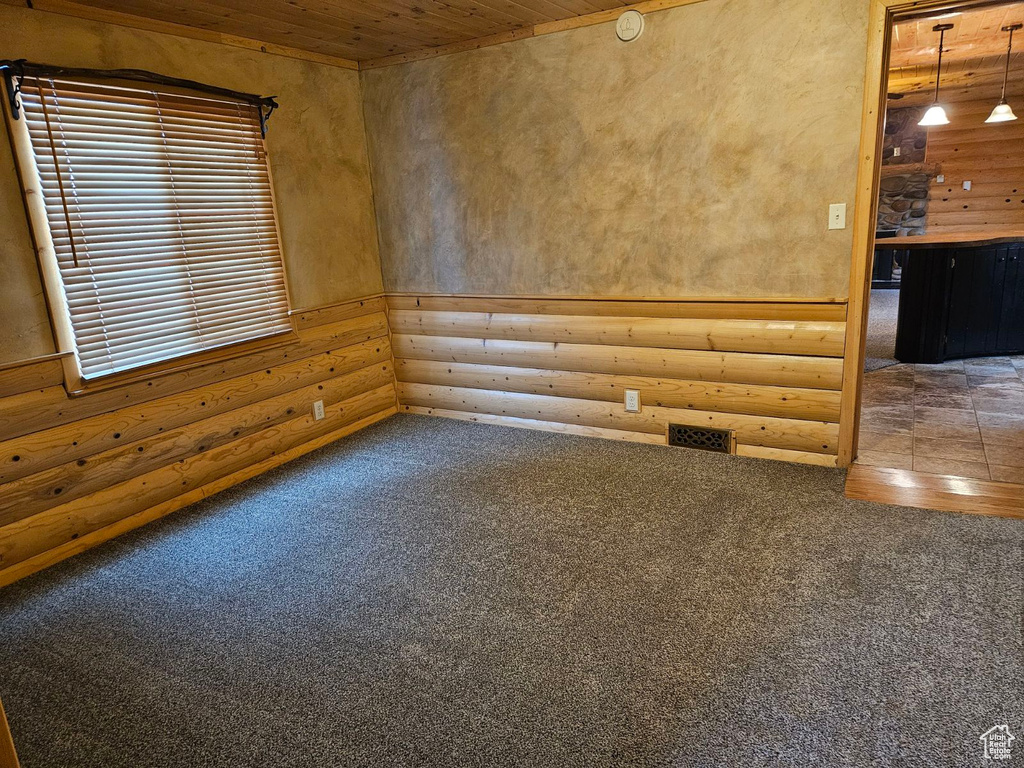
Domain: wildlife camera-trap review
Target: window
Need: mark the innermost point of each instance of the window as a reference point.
(159, 218)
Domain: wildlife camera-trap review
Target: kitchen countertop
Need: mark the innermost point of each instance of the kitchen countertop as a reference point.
(963, 239)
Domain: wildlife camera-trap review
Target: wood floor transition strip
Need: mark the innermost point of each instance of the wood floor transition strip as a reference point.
(940, 492)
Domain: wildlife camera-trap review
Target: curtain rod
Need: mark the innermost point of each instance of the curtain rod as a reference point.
(21, 68)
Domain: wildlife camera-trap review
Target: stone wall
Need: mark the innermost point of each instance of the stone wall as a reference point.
(903, 200)
(903, 203)
(902, 131)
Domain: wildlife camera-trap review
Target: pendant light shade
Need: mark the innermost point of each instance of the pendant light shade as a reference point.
(936, 115)
(1003, 113)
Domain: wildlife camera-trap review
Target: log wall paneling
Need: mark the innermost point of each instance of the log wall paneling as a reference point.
(87, 467)
(771, 371)
(989, 156)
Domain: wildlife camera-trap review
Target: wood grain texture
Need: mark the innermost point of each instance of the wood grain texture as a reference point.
(986, 155)
(61, 524)
(792, 434)
(733, 367)
(795, 309)
(783, 402)
(543, 426)
(25, 376)
(61, 484)
(951, 494)
(8, 755)
(82, 543)
(528, 361)
(20, 417)
(769, 336)
(525, 32)
(80, 439)
(76, 466)
(352, 34)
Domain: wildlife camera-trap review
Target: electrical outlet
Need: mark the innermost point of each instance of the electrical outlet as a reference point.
(967, 186)
(632, 401)
(837, 216)
(896, 151)
(941, 178)
(318, 410)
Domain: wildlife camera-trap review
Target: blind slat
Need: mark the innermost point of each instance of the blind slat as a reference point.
(161, 217)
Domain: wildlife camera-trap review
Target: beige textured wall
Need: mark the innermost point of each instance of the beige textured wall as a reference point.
(697, 161)
(317, 153)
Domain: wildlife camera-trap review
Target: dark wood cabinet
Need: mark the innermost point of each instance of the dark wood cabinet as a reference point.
(960, 301)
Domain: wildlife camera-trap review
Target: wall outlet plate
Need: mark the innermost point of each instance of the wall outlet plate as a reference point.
(318, 410)
(632, 401)
(967, 186)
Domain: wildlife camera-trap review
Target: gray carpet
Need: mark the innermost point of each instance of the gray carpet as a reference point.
(436, 593)
(883, 312)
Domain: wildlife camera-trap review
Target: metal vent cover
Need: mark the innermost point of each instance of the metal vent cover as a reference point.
(702, 438)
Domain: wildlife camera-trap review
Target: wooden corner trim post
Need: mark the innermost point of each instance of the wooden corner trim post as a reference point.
(8, 757)
(882, 14)
(865, 206)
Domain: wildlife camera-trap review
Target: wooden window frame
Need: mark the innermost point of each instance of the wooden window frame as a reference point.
(46, 260)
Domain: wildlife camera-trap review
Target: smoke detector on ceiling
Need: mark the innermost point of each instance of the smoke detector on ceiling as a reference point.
(629, 26)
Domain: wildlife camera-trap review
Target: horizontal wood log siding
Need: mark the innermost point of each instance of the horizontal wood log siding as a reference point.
(771, 370)
(75, 471)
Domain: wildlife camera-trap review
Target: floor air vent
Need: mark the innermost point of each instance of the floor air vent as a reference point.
(702, 438)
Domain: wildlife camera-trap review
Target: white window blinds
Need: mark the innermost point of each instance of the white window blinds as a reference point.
(160, 211)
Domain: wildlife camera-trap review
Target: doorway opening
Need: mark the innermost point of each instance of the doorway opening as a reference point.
(943, 376)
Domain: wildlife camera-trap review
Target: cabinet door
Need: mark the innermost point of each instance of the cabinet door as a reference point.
(1010, 338)
(973, 309)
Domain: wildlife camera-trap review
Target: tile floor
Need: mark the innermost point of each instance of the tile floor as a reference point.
(962, 417)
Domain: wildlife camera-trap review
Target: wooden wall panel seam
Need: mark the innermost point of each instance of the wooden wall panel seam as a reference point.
(770, 432)
(19, 418)
(824, 310)
(66, 482)
(57, 525)
(63, 443)
(38, 373)
(727, 367)
(783, 337)
(82, 543)
(755, 400)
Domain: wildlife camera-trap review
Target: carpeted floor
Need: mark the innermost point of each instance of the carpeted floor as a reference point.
(883, 312)
(436, 593)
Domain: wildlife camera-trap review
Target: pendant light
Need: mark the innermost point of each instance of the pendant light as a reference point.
(936, 115)
(1003, 113)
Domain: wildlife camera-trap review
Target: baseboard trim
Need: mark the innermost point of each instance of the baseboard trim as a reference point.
(51, 557)
(536, 424)
(944, 493)
(749, 451)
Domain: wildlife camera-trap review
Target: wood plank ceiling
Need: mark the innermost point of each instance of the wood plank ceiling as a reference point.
(356, 30)
(973, 59)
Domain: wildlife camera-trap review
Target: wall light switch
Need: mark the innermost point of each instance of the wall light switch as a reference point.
(632, 401)
(837, 216)
(318, 410)
(967, 186)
